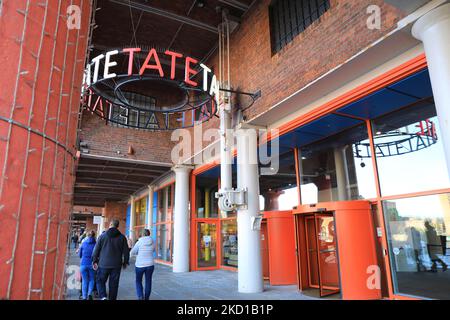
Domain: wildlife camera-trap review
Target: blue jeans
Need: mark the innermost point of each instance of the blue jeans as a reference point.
(112, 275)
(140, 272)
(88, 280)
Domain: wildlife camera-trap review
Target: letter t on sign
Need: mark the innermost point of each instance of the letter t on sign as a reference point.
(131, 51)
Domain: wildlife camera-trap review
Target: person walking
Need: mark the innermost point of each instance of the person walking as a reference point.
(75, 241)
(86, 269)
(144, 266)
(111, 254)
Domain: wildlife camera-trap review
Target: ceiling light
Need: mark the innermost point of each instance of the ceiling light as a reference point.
(201, 4)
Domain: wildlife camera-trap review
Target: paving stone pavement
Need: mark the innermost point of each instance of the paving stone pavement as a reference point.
(202, 285)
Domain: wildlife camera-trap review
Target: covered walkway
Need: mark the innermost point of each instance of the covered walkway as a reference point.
(204, 285)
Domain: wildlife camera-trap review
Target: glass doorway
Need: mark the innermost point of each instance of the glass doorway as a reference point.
(206, 245)
(323, 265)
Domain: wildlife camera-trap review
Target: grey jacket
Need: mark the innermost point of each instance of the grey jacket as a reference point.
(144, 250)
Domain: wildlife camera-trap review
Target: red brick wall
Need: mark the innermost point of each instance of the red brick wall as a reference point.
(339, 34)
(115, 210)
(90, 224)
(97, 210)
(106, 140)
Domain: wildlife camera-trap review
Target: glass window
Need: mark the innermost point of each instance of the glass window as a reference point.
(164, 225)
(418, 239)
(206, 245)
(288, 18)
(409, 151)
(279, 188)
(164, 242)
(229, 243)
(207, 205)
(140, 211)
(169, 196)
(335, 169)
(162, 207)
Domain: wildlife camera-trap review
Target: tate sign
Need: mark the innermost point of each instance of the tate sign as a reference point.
(111, 95)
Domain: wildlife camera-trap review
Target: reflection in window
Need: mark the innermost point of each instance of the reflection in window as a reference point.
(229, 243)
(409, 151)
(164, 224)
(418, 240)
(279, 189)
(164, 242)
(332, 169)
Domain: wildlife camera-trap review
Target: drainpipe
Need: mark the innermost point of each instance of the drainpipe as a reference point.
(225, 150)
(132, 216)
(150, 208)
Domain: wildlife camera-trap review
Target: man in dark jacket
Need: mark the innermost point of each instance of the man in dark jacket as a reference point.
(111, 254)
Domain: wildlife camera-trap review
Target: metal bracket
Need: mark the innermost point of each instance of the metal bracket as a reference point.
(232, 199)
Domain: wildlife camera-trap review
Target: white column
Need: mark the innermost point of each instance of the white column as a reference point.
(250, 277)
(132, 222)
(181, 219)
(341, 174)
(150, 208)
(434, 30)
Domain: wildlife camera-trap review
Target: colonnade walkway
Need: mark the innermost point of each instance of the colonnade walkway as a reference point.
(203, 285)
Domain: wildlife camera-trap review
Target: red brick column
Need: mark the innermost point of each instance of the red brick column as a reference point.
(90, 224)
(115, 210)
(41, 66)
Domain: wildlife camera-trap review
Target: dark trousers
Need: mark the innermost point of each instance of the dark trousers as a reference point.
(140, 272)
(112, 275)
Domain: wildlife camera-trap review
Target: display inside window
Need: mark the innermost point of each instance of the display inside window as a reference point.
(229, 244)
(409, 151)
(334, 170)
(418, 236)
(206, 245)
(140, 215)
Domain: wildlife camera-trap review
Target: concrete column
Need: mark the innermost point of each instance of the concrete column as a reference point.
(150, 207)
(250, 276)
(434, 30)
(181, 219)
(342, 178)
(271, 200)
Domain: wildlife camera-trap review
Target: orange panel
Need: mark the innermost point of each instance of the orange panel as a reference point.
(265, 250)
(356, 245)
(282, 257)
(357, 252)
